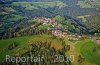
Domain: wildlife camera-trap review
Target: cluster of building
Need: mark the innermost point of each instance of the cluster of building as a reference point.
(74, 37)
(47, 21)
(58, 33)
(56, 30)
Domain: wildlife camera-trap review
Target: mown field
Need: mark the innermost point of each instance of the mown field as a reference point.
(85, 49)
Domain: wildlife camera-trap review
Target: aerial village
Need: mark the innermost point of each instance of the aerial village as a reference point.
(56, 30)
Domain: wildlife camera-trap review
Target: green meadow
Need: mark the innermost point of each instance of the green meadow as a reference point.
(36, 5)
(82, 47)
(23, 44)
(86, 48)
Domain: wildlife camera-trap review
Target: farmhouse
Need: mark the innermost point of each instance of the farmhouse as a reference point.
(96, 40)
(58, 33)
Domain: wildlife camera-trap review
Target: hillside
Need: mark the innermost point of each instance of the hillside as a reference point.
(62, 32)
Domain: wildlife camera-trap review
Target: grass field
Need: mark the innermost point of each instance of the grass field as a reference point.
(82, 47)
(83, 18)
(83, 4)
(86, 50)
(75, 51)
(36, 5)
(23, 44)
